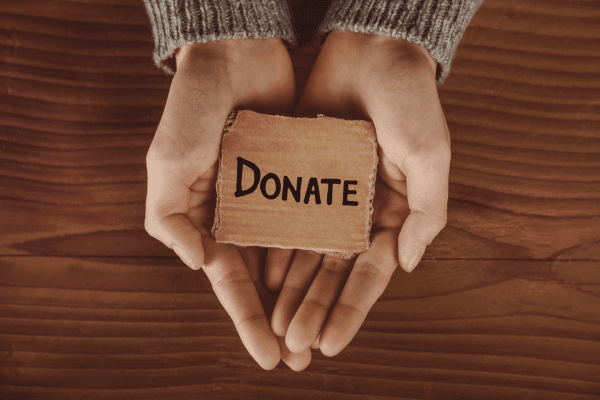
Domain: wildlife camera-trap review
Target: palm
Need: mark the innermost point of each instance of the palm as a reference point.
(390, 205)
(316, 285)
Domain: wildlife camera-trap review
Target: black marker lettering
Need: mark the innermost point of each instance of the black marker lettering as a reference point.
(347, 191)
(330, 183)
(238, 184)
(263, 186)
(287, 185)
(313, 188)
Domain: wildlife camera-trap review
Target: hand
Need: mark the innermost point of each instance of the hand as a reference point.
(324, 300)
(212, 79)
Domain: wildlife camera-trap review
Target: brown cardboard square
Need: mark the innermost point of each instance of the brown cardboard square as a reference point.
(333, 160)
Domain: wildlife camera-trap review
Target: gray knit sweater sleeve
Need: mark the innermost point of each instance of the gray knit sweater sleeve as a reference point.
(178, 22)
(436, 25)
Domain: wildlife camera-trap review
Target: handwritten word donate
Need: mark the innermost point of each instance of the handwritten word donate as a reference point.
(312, 188)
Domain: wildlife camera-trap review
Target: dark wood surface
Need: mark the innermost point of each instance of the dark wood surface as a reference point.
(504, 305)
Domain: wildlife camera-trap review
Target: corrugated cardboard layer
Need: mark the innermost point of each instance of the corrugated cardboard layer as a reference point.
(323, 148)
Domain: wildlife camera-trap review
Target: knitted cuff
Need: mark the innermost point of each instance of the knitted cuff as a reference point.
(436, 25)
(178, 22)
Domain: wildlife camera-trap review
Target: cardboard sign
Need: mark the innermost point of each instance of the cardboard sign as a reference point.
(296, 183)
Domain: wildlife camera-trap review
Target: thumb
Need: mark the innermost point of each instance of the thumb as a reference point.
(176, 231)
(426, 169)
(166, 213)
(418, 231)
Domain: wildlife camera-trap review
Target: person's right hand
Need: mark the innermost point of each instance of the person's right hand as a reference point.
(212, 79)
(324, 299)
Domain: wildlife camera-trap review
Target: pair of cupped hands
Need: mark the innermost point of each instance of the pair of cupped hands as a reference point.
(285, 302)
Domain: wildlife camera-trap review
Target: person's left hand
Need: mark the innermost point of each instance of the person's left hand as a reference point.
(213, 78)
(324, 300)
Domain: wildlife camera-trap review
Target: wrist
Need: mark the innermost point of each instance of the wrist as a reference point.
(401, 52)
(191, 53)
(257, 72)
(408, 53)
(424, 52)
(229, 50)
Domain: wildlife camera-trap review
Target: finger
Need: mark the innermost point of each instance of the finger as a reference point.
(315, 344)
(303, 269)
(254, 259)
(367, 281)
(426, 170)
(277, 264)
(296, 361)
(231, 282)
(167, 203)
(320, 299)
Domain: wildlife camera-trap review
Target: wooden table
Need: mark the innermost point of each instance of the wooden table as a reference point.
(504, 305)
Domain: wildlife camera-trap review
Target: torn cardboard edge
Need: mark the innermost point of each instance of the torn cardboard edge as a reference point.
(228, 128)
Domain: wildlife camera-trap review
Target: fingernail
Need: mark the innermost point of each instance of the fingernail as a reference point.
(416, 258)
(184, 257)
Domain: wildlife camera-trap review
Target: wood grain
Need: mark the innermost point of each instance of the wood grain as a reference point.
(456, 326)
(505, 304)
